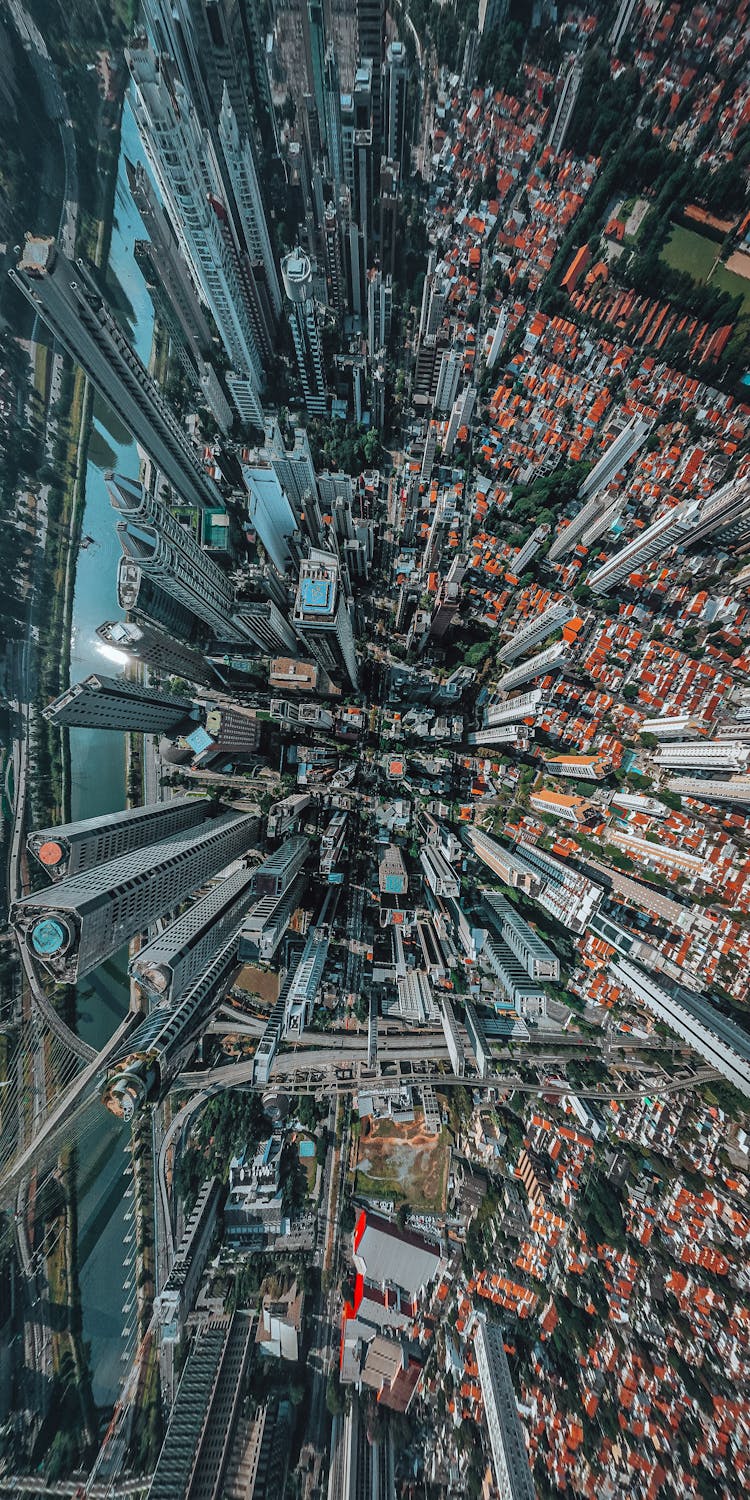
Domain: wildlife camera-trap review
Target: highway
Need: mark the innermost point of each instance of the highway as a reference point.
(74, 1098)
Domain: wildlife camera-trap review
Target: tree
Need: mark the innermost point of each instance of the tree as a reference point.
(477, 654)
(334, 1396)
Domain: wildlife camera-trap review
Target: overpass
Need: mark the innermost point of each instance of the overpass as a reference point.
(74, 1097)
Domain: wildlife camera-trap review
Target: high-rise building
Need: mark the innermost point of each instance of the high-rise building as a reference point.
(440, 876)
(272, 516)
(553, 659)
(434, 298)
(566, 105)
(155, 541)
(379, 311)
(155, 1052)
(285, 815)
(210, 47)
(617, 455)
(281, 867)
(243, 175)
(524, 706)
(510, 1459)
(502, 734)
(625, 12)
(293, 467)
(390, 217)
(196, 1453)
(149, 604)
(72, 847)
(737, 789)
(114, 703)
(498, 339)
(167, 966)
(267, 921)
(536, 956)
(88, 916)
(303, 318)
(492, 14)
(673, 726)
(321, 614)
(720, 1042)
(315, 38)
(519, 991)
(68, 300)
(530, 548)
(392, 876)
(371, 42)
(449, 375)
(705, 755)
(593, 515)
(503, 861)
(125, 641)
(268, 628)
(179, 153)
(670, 529)
(163, 264)
(177, 1296)
(724, 514)
(395, 137)
(461, 415)
(554, 617)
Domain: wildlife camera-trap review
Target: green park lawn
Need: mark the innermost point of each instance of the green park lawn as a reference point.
(687, 251)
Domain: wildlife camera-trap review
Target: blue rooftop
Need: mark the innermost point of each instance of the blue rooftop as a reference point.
(317, 595)
(199, 740)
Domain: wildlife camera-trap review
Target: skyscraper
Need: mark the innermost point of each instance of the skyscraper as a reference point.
(70, 303)
(243, 175)
(161, 548)
(396, 99)
(554, 617)
(269, 628)
(125, 641)
(167, 966)
(114, 703)
(154, 1053)
(553, 659)
(297, 273)
(150, 604)
(87, 917)
(321, 614)
(669, 529)
(510, 1459)
(537, 958)
(371, 41)
(293, 467)
(72, 847)
(167, 264)
(190, 183)
(492, 13)
(272, 516)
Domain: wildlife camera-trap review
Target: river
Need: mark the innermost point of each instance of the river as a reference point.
(98, 786)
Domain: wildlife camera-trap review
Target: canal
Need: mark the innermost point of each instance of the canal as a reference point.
(98, 786)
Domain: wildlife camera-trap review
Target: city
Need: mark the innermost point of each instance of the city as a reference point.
(375, 736)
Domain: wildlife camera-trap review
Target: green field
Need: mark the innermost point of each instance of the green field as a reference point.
(687, 251)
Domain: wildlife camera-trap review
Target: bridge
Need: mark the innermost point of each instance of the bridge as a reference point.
(24, 1484)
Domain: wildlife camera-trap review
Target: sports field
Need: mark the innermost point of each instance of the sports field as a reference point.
(403, 1162)
(687, 251)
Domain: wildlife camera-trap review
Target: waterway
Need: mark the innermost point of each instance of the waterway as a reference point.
(98, 786)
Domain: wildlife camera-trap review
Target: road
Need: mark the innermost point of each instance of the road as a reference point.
(75, 1097)
(324, 1319)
